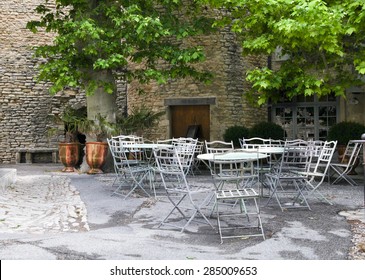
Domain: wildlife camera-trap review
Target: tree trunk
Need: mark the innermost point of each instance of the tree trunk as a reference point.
(104, 104)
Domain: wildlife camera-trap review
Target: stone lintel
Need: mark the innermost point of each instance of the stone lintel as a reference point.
(190, 101)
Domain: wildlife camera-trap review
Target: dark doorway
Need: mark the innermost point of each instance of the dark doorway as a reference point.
(187, 119)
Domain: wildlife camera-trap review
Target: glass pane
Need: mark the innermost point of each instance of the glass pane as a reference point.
(326, 118)
(284, 118)
(305, 123)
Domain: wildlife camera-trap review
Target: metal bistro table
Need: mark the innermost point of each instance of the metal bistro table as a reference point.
(211, 159)
(234, 155)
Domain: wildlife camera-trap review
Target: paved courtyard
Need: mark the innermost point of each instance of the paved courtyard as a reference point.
(48, 214)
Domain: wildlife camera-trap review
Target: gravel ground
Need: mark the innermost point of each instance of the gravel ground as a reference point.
(357, 251)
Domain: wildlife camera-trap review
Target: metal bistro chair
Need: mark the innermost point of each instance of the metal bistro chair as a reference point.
(188, 200)
(314, 178)
(286, 184)
(235, 180)
(131, 174)
(346, 165)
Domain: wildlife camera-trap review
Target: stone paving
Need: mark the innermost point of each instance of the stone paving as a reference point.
(41, 203)
(43, 216)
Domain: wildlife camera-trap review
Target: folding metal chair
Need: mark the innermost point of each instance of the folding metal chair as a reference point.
(234, 180)
(286, 183)
(188, 200)
(347, 163)
(131, 174)
(314, 178)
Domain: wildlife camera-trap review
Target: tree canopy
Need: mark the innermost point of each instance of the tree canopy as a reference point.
(322, 43)
(113, 35)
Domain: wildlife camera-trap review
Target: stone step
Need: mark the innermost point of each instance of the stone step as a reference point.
(7, 177)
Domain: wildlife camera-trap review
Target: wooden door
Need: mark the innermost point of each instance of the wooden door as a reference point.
(183, 116)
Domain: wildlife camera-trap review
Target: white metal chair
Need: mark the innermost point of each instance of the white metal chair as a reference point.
(188, 200)
(286, 184)
(235, 181)
(314, 178)
(347, 163)
(131, 174)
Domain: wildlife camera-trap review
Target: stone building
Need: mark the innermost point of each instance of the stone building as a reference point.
(25, 105)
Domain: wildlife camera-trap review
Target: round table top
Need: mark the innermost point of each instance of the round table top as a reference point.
(236, 155)
(266, 149)
(148, 145)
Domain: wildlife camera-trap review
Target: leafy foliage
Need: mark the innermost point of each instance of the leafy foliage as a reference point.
(267, 130)
(138, 121)
(99, 128)
(321, 41)
(71, 119)
(343, 132)
(112, 35)
(234, 133)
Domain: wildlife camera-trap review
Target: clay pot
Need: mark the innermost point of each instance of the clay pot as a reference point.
(69, 154)
(96, 153)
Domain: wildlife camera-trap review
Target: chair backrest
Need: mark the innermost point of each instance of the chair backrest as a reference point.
(296, 157)
(119, 154)
(186, 152)
(218, 146)
(325, 156)
(171, 169)
(168, 161)
(254, 141)
(351, 153)
(114, 147)
(297, 142)
(277, 142)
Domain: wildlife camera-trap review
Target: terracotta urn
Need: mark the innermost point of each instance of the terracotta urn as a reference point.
(96, 153)
(69, 154)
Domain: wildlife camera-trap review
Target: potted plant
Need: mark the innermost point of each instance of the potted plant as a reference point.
(138, 121)
(97, 151)
(70, 148)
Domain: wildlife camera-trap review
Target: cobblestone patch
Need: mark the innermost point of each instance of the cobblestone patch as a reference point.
(356, 218)
(42, 204)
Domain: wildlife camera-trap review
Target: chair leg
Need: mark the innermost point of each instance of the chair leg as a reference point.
(175, 207)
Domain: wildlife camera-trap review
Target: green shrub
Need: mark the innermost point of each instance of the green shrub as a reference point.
(343, 132)
(233, 133)
(267, 130)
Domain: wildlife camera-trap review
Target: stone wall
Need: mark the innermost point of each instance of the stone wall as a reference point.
(26, 105)
(224, 60)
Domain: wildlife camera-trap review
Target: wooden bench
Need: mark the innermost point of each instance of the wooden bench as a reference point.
(36, 155)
